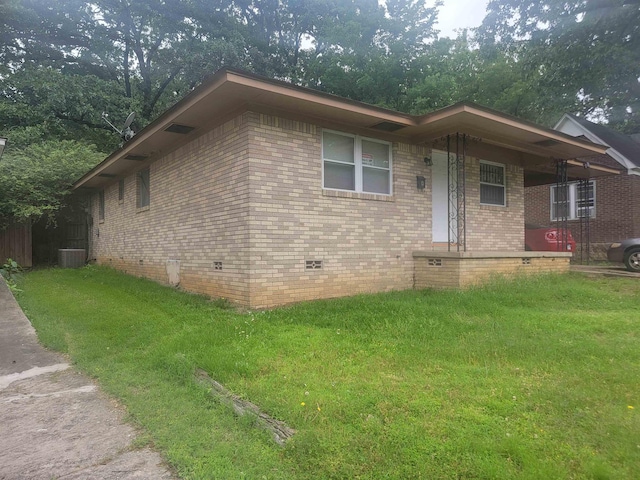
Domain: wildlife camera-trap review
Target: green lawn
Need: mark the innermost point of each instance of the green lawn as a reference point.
(537, 378)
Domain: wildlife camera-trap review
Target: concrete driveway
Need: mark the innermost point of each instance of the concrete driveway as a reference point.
(605, 270)
(55, 423)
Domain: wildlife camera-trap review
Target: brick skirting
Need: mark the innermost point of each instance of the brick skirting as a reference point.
(463, 269)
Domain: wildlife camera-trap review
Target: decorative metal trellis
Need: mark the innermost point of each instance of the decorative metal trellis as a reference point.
(562, 204)
(584, 189)
(583, 205)
(456, 177)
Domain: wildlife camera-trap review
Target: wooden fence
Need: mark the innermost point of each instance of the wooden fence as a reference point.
(15, 243)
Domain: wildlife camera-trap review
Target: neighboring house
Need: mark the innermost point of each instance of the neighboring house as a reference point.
(612, 203)
(266, 193)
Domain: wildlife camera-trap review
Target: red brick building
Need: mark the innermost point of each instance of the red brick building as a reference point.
(613, 202)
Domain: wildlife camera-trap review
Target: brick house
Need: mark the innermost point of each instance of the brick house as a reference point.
(611, 202)
(266, 193)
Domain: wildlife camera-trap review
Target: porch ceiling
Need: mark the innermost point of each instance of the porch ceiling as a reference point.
(231, 92)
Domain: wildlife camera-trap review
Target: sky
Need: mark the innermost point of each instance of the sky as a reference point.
(458, 14)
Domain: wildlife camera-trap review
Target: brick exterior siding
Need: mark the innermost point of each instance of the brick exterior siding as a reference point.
(198, 214)
(249, 194)
(617, 209)
(492, 228)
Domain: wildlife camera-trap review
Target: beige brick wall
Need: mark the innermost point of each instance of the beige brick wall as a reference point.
(249, 194)
(459, 271)
(493, 228)
(364, 241)
(198, 214)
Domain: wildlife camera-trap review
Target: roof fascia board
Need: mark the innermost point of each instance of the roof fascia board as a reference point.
(587, 133)
(600, 168)
(612, 152)
(501, 118)
(321, 99)
(159, 124)
(562, 120)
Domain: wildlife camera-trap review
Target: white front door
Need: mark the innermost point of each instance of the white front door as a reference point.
(440, 198)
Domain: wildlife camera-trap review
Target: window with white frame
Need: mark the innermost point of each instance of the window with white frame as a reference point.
(576, 200)
(143, 190)
(355, 163)
(493, 190)
(101, 205)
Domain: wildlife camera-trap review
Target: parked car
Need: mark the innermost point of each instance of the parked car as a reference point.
(627, 252)
(547, 239)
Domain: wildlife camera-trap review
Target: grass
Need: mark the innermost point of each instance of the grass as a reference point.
(532, 379)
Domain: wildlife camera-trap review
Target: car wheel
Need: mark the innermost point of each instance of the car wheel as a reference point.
(632, 260)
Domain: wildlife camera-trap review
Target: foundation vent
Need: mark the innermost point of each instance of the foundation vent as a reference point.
(435, 262)
(313, 264)
(526, 261)
(217, 265)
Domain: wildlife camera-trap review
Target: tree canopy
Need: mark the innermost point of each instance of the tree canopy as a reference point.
(64, 63)
(585, 54)
(35, 181)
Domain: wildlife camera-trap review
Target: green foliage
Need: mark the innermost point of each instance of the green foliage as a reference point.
(35, 181)
(524, 379)
(64, 63)
(42, 103)
(8, 271)
(584, 52)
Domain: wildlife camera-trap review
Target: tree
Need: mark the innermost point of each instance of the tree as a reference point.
(150, 51)
(585, 54)
(35, 181)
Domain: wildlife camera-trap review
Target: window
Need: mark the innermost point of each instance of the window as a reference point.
(143, 188)
(101, 205)
(492, 184)
(576, 200)
(121, 190)
(355, 163)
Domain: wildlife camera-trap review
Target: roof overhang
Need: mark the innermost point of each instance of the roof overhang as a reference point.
(228, 93)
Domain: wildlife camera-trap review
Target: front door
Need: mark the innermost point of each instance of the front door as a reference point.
(440, 198)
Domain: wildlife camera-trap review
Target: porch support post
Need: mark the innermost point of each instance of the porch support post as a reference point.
(456, 178)
(462, 196)
(562, 204)
(585, 215)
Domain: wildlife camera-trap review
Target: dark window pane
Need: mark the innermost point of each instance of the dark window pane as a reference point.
(101, 205)
(491, 174)
(375, 154)
(491, 195)
(337, 147)
(143, 188)
(341, 177)
(375, 180)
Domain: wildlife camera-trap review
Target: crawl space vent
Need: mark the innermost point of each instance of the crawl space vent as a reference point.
(313, 264)
(435, 262)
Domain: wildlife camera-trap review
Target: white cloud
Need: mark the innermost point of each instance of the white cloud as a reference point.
(458, 14)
